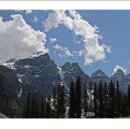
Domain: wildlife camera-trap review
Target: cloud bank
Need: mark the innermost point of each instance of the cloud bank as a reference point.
(93, 51)
(18, 39)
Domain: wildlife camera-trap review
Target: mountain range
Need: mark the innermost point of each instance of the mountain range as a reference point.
(40, 73)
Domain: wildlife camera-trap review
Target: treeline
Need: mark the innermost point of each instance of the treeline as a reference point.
(103, 100)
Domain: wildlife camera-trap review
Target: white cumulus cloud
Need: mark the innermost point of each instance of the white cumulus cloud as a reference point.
(64, 51)
(18, 39)
(52, 40)
(93, 51)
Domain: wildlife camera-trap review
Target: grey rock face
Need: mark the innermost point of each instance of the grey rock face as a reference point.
(11, 76)
(98, 76)
(39, 73)
(122, 78)
(70, 71)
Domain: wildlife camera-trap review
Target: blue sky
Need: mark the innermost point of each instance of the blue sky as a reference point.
(113, 26)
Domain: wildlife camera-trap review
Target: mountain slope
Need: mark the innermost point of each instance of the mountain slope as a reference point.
(98, 76)
(37, 72)
(9, 102)
(70, 71)
(122, 78)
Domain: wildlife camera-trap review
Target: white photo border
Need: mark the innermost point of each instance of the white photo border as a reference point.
(58, 124)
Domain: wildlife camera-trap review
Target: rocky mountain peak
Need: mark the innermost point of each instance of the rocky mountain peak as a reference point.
(12, 60)
(38, 59)
(99, 72)
(98, 76)
(67, 64)
(120, 71)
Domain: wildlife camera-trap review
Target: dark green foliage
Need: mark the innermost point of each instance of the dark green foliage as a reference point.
(60, 107)
(108, 102)
(118, 101)
(124, 106)
(128, 101)
(78, 97)
(48, 108)
(35, 105)
(27, 111)
(100, 99)
(43, 108)
(112, 100)
(72, 101)
(32, 107)
(9, 102)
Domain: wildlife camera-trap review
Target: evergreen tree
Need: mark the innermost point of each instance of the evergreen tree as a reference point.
(43, 108)
(27, 111)
(60, 107)
(100, 99)
(124, 106)
(128, 100)
(32, 106)
(106, 101)
(72, 102)
(78, 98)
(95, 101)
(112, 99)
(118, 100)
(48, 108)
(35, 105)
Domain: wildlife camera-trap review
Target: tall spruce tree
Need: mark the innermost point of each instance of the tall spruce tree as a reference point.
(43, 108)
(128, 100)
(112, 99)
(60, 107)
(118, 97)
(78, 97)
(106, 101)
(100, 99)
(35, 104)
(48, 108)
(72, 102)
(95, 101)
(125, 111)
(27, 110)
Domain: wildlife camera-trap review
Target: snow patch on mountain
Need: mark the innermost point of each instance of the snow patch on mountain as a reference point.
(19, 76)
(36, 76)
(9, 65)
(20, 93)
(27, 66)
(118, 67)
(61, 73)
(37, 54)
